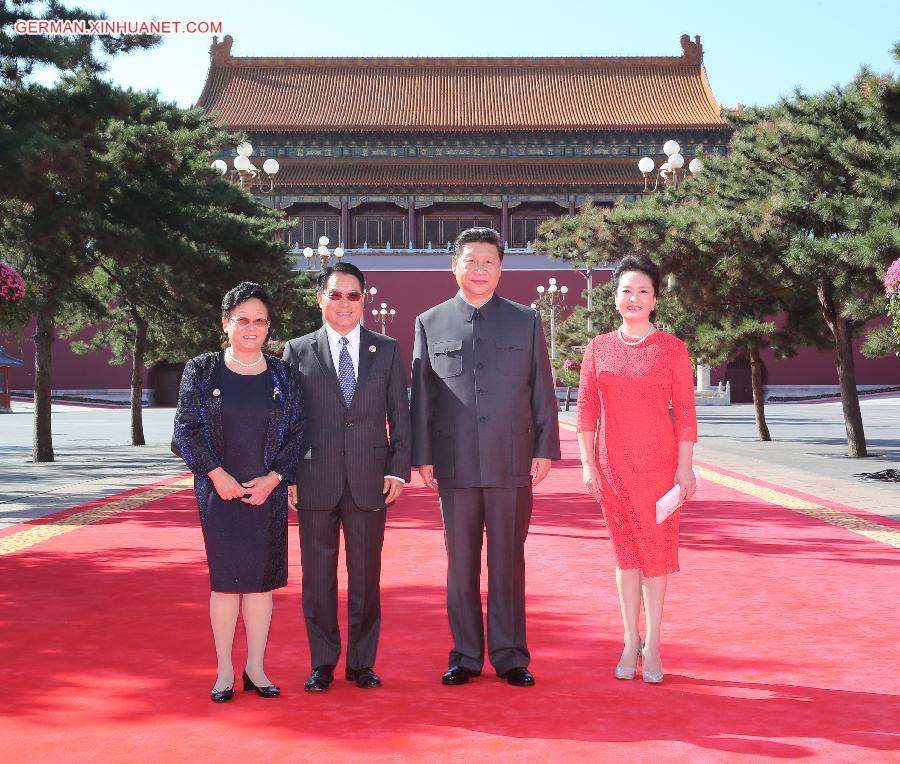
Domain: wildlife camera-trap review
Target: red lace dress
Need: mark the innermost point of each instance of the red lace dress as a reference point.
(624, 397)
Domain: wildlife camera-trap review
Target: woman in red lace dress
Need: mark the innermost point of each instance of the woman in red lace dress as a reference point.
(632, 453)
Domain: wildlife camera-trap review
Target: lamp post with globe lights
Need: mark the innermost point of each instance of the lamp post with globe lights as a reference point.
(385, 316)
(246, 173)
(323, 252)
(670, 170)
(550, 299)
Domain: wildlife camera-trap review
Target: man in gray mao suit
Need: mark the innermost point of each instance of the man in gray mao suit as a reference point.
(349, 470)
(484, 420)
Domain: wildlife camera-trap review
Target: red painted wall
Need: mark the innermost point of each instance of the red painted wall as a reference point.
(411, 293)
(70, 370)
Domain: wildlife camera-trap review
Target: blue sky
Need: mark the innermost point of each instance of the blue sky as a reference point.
(754, 52)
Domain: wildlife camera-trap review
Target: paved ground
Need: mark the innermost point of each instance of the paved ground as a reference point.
(808, 454)
(93, 459)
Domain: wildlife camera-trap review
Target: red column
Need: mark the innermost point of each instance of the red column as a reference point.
(504, 221)
(411, 223)
(345, 224)
(571, 205)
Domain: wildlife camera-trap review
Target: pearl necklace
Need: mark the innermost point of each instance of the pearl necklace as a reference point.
(230, 354)
(631, 342)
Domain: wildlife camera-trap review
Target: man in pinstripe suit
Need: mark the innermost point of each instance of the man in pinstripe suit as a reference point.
(349, 471)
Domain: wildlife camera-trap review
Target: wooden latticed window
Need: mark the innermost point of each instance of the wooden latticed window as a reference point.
(440, 229)
(376, 232)
(524, 229)
(308, 229)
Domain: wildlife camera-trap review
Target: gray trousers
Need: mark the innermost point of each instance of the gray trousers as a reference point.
(319, 544)
(506, 514)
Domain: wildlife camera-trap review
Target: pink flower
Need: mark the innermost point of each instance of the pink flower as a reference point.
(12, 287)
(892, 277)
(571, 365)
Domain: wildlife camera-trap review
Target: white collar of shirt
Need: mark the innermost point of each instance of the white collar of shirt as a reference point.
(334, 345)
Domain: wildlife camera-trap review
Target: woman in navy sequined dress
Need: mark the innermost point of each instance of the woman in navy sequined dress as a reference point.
(238, 426)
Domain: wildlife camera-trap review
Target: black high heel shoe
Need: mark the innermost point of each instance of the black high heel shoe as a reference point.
(222, 696)
(271, 691)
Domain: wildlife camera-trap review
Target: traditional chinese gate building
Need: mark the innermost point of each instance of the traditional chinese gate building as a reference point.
(400, 154)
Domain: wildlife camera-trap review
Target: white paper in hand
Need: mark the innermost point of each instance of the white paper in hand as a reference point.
(670, 501)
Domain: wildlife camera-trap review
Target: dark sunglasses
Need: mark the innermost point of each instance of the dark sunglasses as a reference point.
(351, 296)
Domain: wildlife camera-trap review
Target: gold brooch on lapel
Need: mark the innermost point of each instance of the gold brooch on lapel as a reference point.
(371, 348)
(217, 393)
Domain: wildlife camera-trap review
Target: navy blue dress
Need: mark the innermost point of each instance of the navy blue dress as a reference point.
(246, 545)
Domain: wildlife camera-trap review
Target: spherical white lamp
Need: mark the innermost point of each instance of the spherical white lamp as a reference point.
(241, 163)
(676, 161)
(245, 149)
(323, 240)
(339, 252)
(563, 289)
(271, 166)
(540, 289)
(671, 147)
(695, 166)
(220, 166)
(646, 165)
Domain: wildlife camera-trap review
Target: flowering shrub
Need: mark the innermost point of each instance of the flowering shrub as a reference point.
(892, 287)
(12, 287)
(571, 364)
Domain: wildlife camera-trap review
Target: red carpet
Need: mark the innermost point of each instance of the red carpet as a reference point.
(780, 641)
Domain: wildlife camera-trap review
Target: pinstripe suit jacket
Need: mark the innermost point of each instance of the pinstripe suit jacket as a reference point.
(342, 445)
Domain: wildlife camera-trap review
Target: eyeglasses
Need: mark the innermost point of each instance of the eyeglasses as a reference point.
(351, 296)
(243, 322)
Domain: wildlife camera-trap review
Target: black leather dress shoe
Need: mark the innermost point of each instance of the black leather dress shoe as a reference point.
(320, 679)
(519, 677)
(269, 691)
(365, 678)
(458, 675)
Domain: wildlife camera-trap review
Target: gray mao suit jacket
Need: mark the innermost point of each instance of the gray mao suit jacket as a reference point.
(342, 445)
(483, 403)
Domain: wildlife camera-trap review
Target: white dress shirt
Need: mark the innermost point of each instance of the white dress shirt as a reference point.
(334, 345)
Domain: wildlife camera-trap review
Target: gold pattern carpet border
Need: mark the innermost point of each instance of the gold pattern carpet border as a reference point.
(16, 542)
(846, 520)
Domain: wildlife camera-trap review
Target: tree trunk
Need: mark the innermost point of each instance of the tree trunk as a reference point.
(137, 378)
(759, 403)
(843, 360)
(44, 334)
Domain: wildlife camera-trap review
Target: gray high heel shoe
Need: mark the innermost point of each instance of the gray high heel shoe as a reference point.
(628, 672)
(650, 677)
